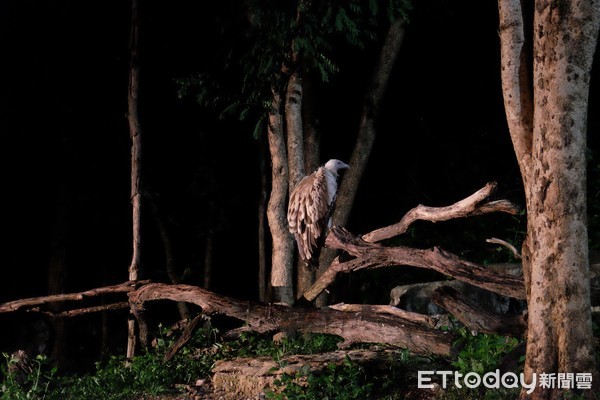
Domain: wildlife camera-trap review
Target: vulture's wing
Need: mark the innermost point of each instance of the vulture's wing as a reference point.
(308, 213)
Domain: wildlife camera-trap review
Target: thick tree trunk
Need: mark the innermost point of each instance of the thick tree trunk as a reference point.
(549, 136)
(282, 251)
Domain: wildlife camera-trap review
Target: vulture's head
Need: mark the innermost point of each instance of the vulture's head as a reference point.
(335, 165)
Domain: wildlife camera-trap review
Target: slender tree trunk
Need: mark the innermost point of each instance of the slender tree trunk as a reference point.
(282, 252)
(305, 276)
(136, 156)
(549, 136)
(208, 259)
(262, 231)
(169, 256)
(312, 154)
(366, 134)
(57, 273)
(295, 134)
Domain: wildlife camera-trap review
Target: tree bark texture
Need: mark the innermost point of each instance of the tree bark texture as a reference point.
(295, 136)
(551, 154)
(283, 246)
(136, 158)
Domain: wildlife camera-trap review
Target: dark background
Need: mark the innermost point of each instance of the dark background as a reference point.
(65, 147)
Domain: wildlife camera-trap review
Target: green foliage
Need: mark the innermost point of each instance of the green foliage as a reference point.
(148, 373)
(116, 379)
(254, 345)
(482, 353)
(342, 382)
(145, 374)
(33, 384)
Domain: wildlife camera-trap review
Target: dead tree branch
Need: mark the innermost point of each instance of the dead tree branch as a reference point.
(37, 301)
(82, 311)
(475, 204)
(504, 243)
(369, 256)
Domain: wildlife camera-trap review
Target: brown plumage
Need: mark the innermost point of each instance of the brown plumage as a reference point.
(309, 211)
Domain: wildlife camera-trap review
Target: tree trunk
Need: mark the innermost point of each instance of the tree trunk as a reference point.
(366, 133)
(551, 154)
(262, 231)
(282, 252)
(136, 156)
(169, 256)
(296, 160)
(295, 136)
(208, 259)
(312, 154)
(57, 272)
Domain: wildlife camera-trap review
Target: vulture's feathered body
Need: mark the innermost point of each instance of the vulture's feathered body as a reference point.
(311, 205)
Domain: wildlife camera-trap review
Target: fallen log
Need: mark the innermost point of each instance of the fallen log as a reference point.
(353, 327)
(477, 318)
(383, 309)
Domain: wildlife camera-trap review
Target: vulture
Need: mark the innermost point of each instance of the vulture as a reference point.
(309, 211)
